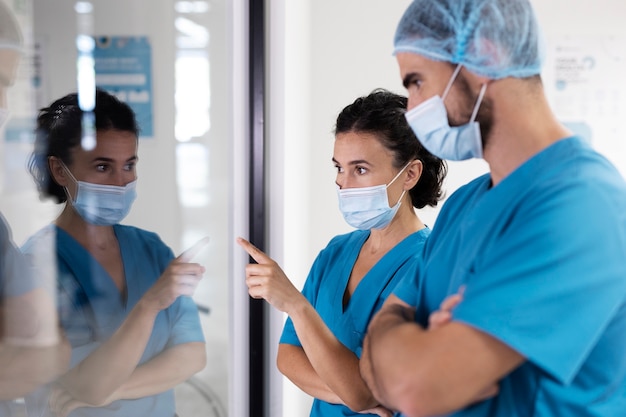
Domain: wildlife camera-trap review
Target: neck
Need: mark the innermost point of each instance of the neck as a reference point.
(523, 125)
(87, 234)
(404, 223)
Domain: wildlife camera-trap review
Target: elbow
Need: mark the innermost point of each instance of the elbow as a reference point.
(361, 403)
(419, 396)
(199, 360)
(282, 362)
(89, 396)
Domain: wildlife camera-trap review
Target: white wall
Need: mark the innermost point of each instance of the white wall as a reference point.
(323, 54)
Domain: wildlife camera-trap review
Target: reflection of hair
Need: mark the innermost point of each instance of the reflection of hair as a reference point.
(10, 32)
(381, 113)
(59, 130)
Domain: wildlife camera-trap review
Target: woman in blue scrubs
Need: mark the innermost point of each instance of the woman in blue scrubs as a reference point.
(123, 297)
(382, 174)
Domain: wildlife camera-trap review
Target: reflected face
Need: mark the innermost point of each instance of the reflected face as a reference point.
(111, 162)
(362, 161)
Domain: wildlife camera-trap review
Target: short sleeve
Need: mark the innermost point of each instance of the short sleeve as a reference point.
(186, 326)
(16, 277)
(408, 286)
(548, 287)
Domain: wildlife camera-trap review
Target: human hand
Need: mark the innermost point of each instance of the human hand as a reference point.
(379, 411)
(266, 279)
(62, 403)
(444, 314)
(181, 277)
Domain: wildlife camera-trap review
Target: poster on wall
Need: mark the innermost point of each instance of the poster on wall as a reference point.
(585, 84)
(123, 67)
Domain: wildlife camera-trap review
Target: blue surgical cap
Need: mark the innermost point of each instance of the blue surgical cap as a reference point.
(493, 38)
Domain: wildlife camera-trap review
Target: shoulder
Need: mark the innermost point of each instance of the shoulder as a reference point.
(340, 241)
(44, 236)
(143, 240)
(148, 238)
(136, 233)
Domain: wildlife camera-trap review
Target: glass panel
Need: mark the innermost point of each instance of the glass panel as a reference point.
(168, 61)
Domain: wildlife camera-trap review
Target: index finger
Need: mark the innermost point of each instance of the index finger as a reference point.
(190, 253)
(253, 251)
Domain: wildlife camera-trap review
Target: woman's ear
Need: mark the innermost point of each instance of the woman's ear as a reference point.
(57, 171)
(414, 172)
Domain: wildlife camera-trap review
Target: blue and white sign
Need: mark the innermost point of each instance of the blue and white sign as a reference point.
(123, 67)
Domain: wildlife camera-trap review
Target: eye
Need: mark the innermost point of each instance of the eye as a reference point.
(102, 167)
(413, 83)
(360, 170)
(129, 166)
(338, 168)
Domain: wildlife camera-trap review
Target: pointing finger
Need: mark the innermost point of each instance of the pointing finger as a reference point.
(253, 251)
(190, 253)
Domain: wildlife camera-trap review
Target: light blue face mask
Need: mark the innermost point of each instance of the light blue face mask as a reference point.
(368, 207)
(102, 205)
(429, 121)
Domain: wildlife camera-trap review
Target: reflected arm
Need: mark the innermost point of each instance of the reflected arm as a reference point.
(164, 371)
(24, 369)
(114, 361)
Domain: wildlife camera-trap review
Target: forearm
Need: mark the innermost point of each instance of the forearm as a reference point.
(99, 375)
(29, 319)
(433, 372)
(335, 364)
(23, 369)
(164, 371)
(294, 364)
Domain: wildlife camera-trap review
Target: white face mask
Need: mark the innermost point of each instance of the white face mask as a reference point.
(102, 205)
(368, 207)
(429, 121)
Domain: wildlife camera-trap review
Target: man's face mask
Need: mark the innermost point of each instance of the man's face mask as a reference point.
(429, 121)
(102, 205)
(368, 207)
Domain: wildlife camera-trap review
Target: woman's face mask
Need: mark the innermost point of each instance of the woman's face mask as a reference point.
(102, 205)
(368, 207)
(429, 121)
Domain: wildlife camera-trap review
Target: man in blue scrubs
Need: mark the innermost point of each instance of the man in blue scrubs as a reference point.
(536, 246)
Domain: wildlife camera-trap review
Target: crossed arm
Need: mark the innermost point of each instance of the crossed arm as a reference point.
(115, 362)
(32, 349)
(323, 367)
(424, 373)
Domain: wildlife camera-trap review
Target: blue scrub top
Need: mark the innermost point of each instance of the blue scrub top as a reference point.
(542, 256)
(15, 274)
(91, 309)
(326, 284)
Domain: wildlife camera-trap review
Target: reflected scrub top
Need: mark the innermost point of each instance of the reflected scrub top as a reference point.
(15, 276)
(325, 286)
(543, 258)
(91, 309)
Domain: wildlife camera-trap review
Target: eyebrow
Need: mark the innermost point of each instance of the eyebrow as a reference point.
(104, 159)
(355, 162)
